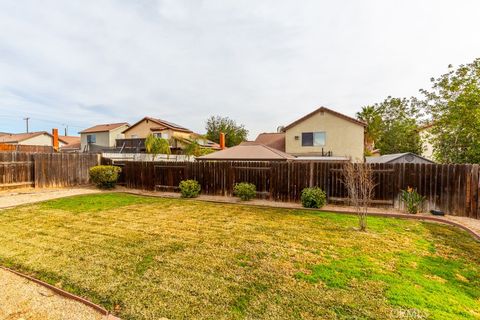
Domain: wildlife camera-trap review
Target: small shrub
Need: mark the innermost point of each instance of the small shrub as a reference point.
(313, 197)
(245, 191)
(412, 199)
(105, 177)
(189, 188)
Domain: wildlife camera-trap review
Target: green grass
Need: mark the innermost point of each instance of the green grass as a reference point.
(147, 258)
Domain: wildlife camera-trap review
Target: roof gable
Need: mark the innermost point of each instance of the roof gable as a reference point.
(107, 127)
(19, 137)
(324, 109)
(387, 158)
(160, 123)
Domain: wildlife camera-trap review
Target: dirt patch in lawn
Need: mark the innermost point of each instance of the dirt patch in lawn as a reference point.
(11, 198)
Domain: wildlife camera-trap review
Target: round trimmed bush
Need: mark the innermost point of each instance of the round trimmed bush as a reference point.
(245, 191)
(104, 177)
(189, 188)
(313, 197)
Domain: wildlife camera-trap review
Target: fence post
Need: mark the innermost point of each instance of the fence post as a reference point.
(310, 182)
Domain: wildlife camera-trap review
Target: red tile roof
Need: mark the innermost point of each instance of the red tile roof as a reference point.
(248, 151)
(69, 140)
(274, 140)
(19, 137)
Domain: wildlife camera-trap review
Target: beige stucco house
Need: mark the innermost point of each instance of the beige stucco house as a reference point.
(178, 136)
(160, 128)
(325, 133)
(426, 137)
(38, 138)
(102, 135)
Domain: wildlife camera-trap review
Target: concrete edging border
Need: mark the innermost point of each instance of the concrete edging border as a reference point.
(64, 293)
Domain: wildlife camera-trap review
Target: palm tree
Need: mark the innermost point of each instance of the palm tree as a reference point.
(372, 118)
(156, 146)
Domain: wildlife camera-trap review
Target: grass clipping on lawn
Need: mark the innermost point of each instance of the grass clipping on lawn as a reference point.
(147, 258)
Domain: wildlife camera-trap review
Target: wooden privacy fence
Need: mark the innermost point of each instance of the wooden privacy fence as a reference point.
(16, 170)
(63, 170)
(452, 188)
(19, 169)
(24, 148)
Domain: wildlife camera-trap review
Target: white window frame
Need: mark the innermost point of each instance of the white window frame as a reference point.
(313, 139)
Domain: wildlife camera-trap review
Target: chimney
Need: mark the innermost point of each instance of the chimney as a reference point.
(222, 140)
(55, 139)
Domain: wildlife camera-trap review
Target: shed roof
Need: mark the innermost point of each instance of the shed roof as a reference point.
(391, 157)
(248, 151)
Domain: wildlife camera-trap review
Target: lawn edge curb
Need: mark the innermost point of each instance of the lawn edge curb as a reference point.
(64, 293)
(473, 233)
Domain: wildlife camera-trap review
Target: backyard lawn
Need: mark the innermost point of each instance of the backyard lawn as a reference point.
(147, 258)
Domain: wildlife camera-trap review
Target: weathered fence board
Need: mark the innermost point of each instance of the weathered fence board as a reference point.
(63, 169)
(16, 170)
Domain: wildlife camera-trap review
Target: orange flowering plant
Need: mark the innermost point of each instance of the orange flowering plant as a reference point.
(412, 199)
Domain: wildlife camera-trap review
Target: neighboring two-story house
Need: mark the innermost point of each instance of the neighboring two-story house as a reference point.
(325, 133)
(178, 136)
(101, 136)
(157, 127)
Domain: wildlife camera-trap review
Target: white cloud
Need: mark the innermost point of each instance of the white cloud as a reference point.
(263, 63)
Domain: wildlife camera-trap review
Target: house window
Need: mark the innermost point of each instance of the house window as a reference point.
(313, 139)
(91, 138)
(163, 135)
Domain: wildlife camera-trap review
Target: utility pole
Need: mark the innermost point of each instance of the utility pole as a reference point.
(26, 121)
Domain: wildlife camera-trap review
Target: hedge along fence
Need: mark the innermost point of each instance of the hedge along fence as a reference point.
(19, 169)
(451, 188)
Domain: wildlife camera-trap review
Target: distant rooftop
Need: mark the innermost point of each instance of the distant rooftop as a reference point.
(248, 151)
(274, 140)
(19, 137)
(104, 127)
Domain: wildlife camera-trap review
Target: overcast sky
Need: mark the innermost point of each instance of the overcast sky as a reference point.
(263, 63)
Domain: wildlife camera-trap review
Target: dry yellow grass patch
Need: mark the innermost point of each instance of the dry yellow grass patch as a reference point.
(146, 258)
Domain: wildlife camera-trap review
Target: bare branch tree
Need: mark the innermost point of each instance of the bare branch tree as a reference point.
(358, 179)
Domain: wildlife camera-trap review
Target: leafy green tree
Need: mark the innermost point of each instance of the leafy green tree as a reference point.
(454, 105)
(192, 149)
(393, 125)
(155, 146)
(234, 133)
(195, 149)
